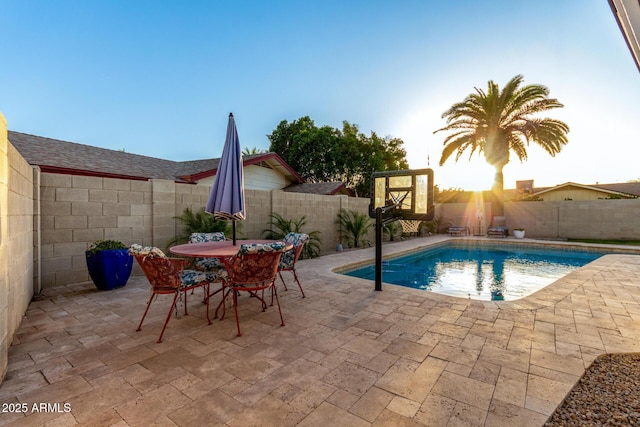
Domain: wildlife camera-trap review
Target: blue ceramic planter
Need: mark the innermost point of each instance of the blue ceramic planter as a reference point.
(109, 269)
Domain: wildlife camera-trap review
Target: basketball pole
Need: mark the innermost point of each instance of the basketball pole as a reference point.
(379, 212)
(378, 286)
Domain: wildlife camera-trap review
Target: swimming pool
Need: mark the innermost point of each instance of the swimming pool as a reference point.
(481, 270)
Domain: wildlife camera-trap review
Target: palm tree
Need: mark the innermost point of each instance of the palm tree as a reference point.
(497, 122)
(246, 151)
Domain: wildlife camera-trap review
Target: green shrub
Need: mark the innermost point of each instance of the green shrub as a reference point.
(280, 226)
(354, 227)
(200, 222)
(104, 245)
(392, 230)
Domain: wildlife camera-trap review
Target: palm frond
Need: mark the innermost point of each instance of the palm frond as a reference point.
(354, 226)
(279, 226)
(496, 121)
(199, 222)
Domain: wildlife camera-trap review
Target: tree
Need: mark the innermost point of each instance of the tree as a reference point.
(328, 154)
(246, 151)
(497, 123)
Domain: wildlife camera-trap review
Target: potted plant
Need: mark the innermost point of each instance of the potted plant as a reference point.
(109, 264)
(518, 233)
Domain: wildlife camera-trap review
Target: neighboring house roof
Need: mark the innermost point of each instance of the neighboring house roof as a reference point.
(56, 156)
(626, 189)
(630, 188)
(196, 170)
(324, 188)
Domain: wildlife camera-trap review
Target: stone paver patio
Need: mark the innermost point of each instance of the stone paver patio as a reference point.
(348, 356)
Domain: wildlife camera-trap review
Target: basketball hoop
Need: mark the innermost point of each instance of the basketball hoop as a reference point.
(405, 195)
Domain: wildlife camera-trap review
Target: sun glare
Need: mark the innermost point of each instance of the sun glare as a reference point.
(483, 176)
(472, 175)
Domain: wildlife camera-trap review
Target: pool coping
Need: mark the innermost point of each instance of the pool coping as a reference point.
(551, 294)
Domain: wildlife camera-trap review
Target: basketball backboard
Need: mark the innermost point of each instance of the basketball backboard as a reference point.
(411, 190)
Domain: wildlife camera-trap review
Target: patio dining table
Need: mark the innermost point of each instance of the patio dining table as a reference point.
(221, 249)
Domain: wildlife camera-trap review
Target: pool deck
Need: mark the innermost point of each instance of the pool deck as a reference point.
(348, 355)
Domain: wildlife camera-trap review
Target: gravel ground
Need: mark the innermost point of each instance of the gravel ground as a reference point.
(608, 394)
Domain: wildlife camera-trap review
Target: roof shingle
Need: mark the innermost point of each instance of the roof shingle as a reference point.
(70, 157)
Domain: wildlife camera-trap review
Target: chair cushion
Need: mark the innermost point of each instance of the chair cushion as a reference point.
(146, 251)
(288, 257)
(195, 277)
(296, 238)
(286, 261)
(256, 248)
(207, 264)
(206, 237)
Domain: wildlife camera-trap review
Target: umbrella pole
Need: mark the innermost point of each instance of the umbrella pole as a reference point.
(233, 227)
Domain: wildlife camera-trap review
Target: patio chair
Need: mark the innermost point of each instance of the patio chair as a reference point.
(168, 276)
(254, 268)
(290, 257)
(207, 264)
(498, 227)
(460, 227)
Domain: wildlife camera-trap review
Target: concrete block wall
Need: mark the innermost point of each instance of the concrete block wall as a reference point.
(163, 202)
(258, 207)
(539, 219)
(188, 196)
(448, 214)
(75, 211)
(6, 333)
(16, 241)
(320, 213)
(600, 219)
(577, 219)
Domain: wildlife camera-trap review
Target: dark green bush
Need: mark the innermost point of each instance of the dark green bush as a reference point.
(279, 227)
(102, 245)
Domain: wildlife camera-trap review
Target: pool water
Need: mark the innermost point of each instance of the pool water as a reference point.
(484, 272)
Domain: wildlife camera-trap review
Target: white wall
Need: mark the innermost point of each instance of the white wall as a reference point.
(257, 178)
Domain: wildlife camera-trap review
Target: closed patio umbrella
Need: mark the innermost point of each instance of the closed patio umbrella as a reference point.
(226, 200)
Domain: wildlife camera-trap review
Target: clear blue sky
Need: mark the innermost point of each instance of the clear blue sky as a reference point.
(159, 78)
